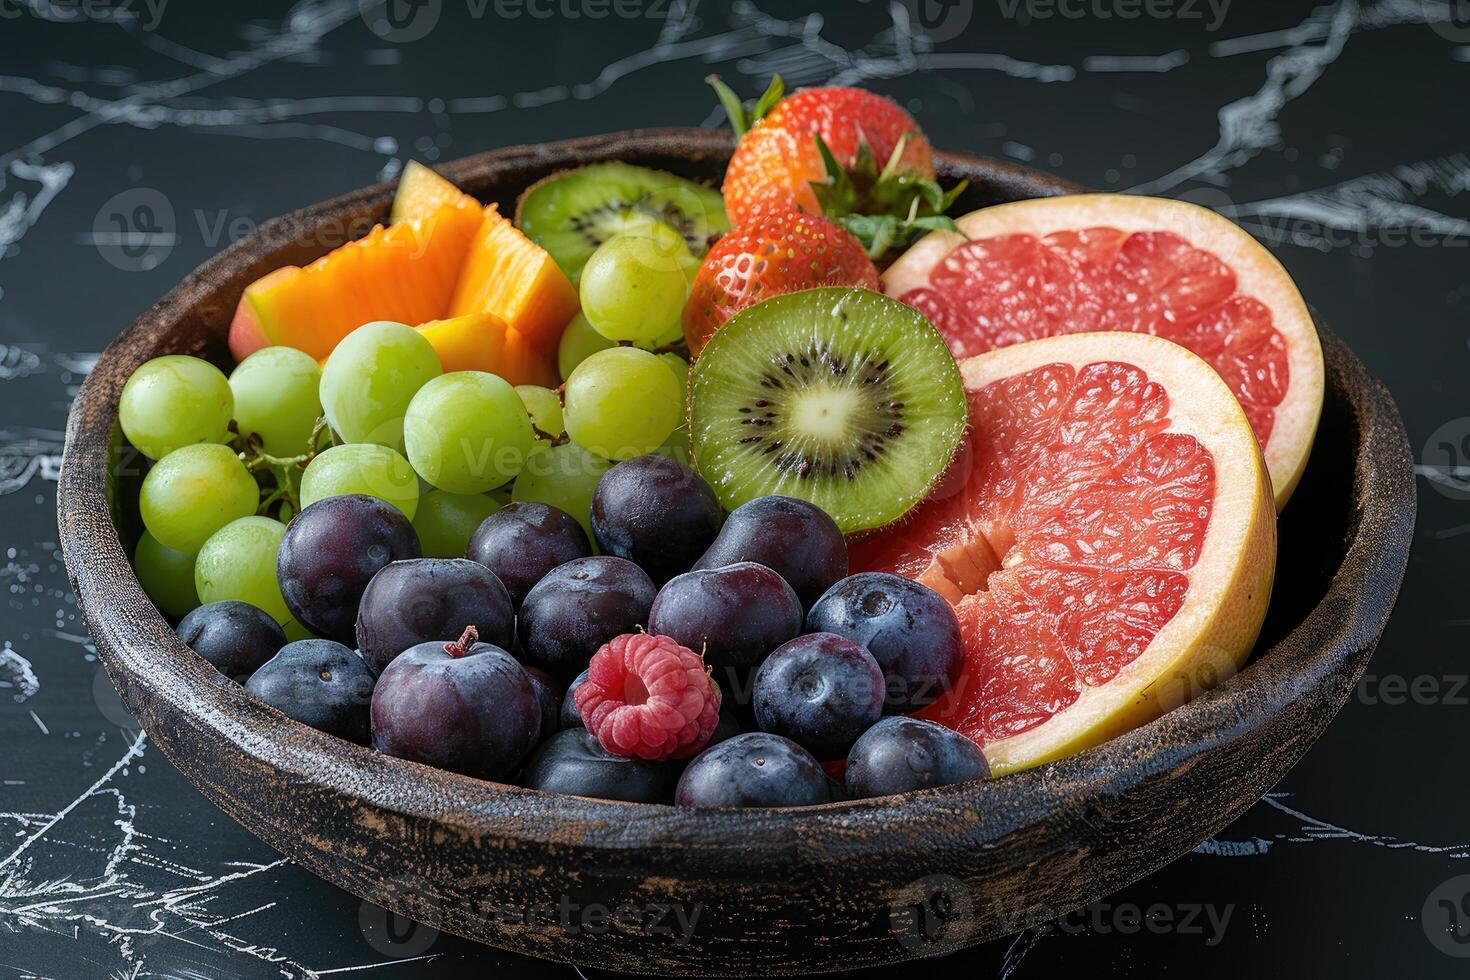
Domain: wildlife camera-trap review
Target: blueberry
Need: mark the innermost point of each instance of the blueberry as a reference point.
(570, 716)
(575, 763)
(521, 542)
(820, 690)
(900, 754)
(735, 615)
(234, 636)
(907, 627)
(549, 694)
(424, 599)
(799, 540)
(753, 769)
(469, 711)
(320, 683)
(657, 513)
(579, 606)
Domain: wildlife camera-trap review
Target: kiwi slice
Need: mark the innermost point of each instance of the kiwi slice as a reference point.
(572, 212)
(840, 396)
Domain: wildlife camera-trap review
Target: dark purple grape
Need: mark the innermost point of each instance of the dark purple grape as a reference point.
(907, 627)
(900, 754)
(754, 769)
(423, 599)
(521, 542)
(575, 763)
(735, 615)
(549, 693)
(234, 636)
(821, 691)
(473, 712)
(579, 606)
(329, 554)
(571, 716)
(796, 538)
(320, 683)
(657, 513)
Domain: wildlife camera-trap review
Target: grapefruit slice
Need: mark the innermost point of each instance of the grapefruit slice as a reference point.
(1090, 262)
(1107, 538)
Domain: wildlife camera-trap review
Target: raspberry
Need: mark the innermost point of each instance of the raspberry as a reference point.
(648, 697)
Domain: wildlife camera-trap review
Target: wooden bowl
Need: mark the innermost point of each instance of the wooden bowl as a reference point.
(770, 892)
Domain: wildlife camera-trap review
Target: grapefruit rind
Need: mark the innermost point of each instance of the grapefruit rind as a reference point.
(1258, 274)
(1215, 628)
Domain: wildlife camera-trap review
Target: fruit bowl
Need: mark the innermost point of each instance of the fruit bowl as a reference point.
(761, 892)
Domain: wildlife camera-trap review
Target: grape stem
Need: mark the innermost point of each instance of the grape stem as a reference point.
(541, 433)
(467, 639)
(680, 347)
(281, 468)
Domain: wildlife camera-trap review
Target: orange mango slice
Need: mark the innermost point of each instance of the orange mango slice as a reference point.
(483, 342)
(406, 272)
(511, 276)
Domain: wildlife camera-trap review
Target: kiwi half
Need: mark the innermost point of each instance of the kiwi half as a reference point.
(572, 212)
(840, 396)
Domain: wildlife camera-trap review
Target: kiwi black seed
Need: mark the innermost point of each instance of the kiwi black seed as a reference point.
(842, 397)
(572, 212)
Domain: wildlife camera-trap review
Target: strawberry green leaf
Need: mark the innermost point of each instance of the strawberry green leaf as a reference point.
(836, 193)
(740, 120)
(774, 93)
(734, 108)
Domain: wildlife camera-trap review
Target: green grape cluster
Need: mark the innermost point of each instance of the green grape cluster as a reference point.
(235, 457)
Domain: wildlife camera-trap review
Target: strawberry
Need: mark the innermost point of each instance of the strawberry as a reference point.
(771, 255)
(818, 151)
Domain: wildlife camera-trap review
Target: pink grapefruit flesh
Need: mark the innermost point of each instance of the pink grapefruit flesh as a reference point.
(1107, 538)
(1096, 262)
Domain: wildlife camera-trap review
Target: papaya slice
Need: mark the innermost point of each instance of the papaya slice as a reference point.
(421, 191)
(511, 276)
(406, 272)
(483, 342)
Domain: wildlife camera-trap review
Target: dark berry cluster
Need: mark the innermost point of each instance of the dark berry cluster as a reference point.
(696, 658)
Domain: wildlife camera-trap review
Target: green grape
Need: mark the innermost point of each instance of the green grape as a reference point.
(239, 562)
(578, 342)
(193, 492)
(362, 467)
(668, 338)
(446, 521)
(676, 446)
(680, 367)
(370, 378)
(634, 288)
(563, 476)
(166, 575)
(276, 397)
(467, 432)
(175, 401)
(545, 409)
(622, 403)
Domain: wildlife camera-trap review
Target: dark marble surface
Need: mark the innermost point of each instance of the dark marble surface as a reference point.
(137, 137)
